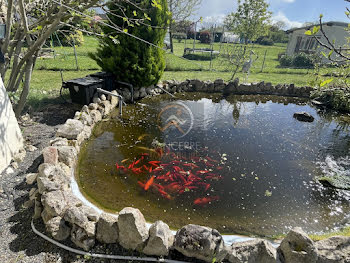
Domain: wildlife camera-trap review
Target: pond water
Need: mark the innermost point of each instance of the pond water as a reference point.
(240, 164)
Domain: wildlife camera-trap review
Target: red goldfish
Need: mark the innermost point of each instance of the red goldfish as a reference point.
(205, 200)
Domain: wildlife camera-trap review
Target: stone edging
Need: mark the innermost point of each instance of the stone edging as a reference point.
(64, 215)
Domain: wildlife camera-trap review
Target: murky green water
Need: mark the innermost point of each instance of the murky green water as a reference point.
(241, 164)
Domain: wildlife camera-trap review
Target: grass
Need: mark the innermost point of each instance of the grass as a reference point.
(46, 81)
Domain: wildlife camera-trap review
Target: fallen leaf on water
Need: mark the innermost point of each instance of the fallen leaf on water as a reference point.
(268, 193)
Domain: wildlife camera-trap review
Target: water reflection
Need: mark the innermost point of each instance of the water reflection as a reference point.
(267, 164)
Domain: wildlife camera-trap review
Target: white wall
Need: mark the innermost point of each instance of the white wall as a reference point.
(11, 140)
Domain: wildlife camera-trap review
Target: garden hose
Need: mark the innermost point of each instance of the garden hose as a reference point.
(104, 256)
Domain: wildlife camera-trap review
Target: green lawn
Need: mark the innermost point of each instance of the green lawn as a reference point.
(46, 81)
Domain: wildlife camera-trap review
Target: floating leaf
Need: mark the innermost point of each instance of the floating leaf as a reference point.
(268, 193)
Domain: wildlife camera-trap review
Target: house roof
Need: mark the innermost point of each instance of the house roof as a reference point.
(330, 23)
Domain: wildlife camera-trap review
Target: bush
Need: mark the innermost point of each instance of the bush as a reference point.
(128, 59)
(286, 61)
(302, 60)
(266, 41)
(205, 37)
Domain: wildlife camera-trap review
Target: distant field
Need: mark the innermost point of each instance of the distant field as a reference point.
(46, 80)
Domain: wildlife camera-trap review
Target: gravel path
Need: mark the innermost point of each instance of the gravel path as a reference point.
(17, 241)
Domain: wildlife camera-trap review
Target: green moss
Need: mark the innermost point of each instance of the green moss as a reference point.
(344, 232)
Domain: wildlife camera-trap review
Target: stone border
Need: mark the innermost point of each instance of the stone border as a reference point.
(64, 215)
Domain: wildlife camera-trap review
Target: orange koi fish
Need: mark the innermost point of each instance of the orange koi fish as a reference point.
(149, 183)
(205, 200)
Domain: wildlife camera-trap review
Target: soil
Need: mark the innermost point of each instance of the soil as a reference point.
(18, 243)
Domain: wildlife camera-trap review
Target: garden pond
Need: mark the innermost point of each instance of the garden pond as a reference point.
(239, 164)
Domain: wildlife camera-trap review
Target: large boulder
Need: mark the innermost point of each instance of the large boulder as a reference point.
(256, 250)
(160, 240)
(297, 247)
(200, 242)
(70, 130)
(107, 229)
(132, 227)
(334, 250)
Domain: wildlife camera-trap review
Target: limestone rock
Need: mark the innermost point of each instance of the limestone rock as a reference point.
(81, 238)
(132, 227)
(114, 100)
(70, 130)
(160, 240)
(58, 228)
(54, 203)
(303, 116)
(334, 250)
(107, 229)
(75, 215)
(93, 106)
(256, 250)
(200, 242)
(31, 178)
(86, 119)
(297, 247)
(67, 155)
(58, 141)
(96, 116)
(52, 178)
(50, 155)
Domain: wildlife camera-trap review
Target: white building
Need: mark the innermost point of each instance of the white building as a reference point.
(229, 37)
(299, 42)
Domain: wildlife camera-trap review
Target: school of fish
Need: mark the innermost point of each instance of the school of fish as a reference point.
(175, 175)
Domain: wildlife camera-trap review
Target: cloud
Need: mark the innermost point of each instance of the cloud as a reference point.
(280, 16)
(281, 1)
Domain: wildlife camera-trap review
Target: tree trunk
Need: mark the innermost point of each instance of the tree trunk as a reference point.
(171, 28)
(26, 87)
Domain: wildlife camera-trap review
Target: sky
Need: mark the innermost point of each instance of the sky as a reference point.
(293, 12)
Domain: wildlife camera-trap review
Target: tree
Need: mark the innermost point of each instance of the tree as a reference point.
(129, 59)
(250, 20)
(29, 24)
(180, 11)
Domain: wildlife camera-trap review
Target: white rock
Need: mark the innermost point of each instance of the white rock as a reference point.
(31, 178)
(334, 250)
(31, 148)
(107, 229)
(297, 247)
(200, 242)
(256, 250)
(160, 240)
(67, 155)
(58, 229)
(70, 130)
(132, 227)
